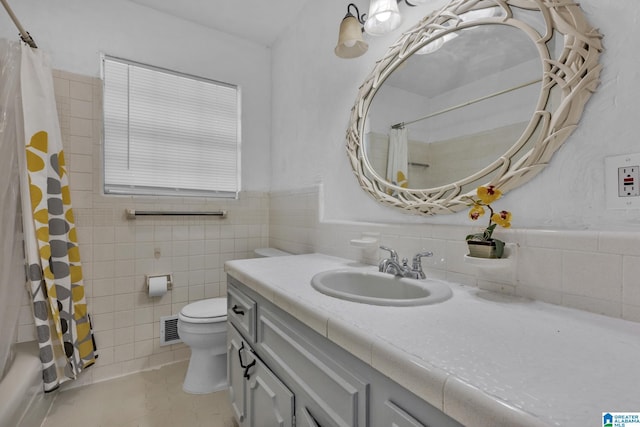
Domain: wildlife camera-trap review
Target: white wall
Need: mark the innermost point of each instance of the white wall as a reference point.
(314, 91)
(75, 32)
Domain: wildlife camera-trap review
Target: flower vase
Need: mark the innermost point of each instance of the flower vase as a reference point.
(484, 249)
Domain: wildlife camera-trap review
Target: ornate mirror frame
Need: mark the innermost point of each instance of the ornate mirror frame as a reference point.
(573, 76)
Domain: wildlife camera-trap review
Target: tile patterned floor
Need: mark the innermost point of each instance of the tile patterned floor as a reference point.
(147, 399)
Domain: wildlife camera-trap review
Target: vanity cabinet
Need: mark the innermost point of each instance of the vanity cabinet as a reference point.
(283, 373)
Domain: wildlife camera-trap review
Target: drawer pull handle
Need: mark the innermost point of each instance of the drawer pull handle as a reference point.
(236, 310)
(242, 365)
(246, 369)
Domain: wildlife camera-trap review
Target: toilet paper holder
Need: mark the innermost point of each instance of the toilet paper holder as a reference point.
(168, 276)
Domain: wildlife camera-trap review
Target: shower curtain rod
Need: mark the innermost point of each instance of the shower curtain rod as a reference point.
(464, 104)
(24, 35)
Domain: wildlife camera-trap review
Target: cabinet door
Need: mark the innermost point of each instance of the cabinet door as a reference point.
(305, 419)
(269, 402)
(235, 372)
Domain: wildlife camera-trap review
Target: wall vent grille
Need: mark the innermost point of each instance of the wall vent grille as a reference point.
(169, 330)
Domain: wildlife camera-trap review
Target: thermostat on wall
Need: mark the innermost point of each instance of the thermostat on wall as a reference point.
(622, 186)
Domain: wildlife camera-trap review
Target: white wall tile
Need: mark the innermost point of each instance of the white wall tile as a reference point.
(561, 239)
(80, 91)
(631, 280)
(593, 275)
(619, 243)
(540, 268)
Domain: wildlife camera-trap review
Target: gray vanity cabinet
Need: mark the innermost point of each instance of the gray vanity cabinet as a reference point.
(283, 373)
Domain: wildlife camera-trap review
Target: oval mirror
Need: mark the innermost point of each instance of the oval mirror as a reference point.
(480, 93)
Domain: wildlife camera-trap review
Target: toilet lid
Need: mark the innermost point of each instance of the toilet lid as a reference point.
(212, 308)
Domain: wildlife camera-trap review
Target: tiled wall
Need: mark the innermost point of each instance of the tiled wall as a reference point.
(588, 270)
(117, 253)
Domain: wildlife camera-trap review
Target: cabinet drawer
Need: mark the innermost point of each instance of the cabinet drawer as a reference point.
(241, 312)
(336, 396)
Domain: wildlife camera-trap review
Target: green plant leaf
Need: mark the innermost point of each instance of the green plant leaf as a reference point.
(499, 247)
(489, 231)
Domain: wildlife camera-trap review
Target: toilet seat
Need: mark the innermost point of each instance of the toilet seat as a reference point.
(212, 310)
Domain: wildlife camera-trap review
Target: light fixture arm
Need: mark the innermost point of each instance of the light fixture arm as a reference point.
(361, 18)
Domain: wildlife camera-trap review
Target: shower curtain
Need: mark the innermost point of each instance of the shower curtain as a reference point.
(12, 259)
(54, 272)
(397, 157)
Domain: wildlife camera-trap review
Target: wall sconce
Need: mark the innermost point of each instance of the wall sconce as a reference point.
(350, 42)
(383, 18)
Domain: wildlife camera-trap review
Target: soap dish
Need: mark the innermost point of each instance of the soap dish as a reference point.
(487, 262)
(494, 263)
(367, 241)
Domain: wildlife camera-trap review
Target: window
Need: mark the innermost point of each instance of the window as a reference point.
(167, 133)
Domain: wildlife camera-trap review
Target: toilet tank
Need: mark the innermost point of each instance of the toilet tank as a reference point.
(269, 252)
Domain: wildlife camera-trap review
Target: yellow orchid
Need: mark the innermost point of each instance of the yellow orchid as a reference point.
(476, 212)
(485, 196)
(502, 218)
(488, 194)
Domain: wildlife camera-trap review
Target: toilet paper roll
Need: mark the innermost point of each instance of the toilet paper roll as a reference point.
(157, 286)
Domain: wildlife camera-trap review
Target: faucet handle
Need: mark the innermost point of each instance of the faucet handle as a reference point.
(394, 254)
(422, 254)
(417, 263)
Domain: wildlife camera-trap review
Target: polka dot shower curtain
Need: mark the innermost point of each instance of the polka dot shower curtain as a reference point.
(51, 246)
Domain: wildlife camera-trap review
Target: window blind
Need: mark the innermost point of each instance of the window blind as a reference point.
(167, 133)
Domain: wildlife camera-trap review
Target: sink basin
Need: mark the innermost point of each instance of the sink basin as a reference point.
(376, 288)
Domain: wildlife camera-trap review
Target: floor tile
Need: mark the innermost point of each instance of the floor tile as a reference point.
(147, 399)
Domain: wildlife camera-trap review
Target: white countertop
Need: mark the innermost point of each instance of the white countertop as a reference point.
(485, 359)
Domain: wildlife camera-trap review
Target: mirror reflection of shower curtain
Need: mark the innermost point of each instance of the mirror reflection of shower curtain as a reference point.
(397, 159)
(54, 271)
(12, 258)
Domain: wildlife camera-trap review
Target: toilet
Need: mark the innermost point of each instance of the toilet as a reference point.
(202, 325)
(269, 252)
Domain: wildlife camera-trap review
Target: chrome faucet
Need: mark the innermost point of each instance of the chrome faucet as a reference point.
(391, 265)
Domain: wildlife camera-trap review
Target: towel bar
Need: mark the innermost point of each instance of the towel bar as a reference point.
(132, 213)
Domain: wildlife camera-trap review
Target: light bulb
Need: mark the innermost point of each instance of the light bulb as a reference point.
(383, 17)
